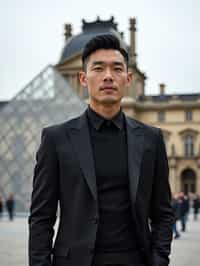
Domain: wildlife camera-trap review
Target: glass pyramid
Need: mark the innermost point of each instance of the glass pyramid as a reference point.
(48, 99)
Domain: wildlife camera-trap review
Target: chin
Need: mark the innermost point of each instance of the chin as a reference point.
(110, 101)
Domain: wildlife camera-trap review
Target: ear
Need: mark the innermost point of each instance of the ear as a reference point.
(129, 78)
(82, 78)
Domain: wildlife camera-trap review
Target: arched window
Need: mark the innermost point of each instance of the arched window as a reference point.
(188, 181)
(189, 146)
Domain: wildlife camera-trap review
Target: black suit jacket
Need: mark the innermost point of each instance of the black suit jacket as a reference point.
(65, 173)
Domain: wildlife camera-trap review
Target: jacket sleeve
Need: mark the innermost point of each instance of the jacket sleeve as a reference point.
(43, 202)
(161, 214)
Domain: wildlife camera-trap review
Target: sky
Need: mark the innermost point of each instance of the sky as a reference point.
(167, 40)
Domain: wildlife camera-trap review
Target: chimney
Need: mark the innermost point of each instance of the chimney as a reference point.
(68, 31)
(132, 29)
(162, 88)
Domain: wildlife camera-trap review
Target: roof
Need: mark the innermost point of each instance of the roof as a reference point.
(76, 43)
(169, 97)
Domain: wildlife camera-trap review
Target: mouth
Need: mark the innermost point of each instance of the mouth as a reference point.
(108, 88)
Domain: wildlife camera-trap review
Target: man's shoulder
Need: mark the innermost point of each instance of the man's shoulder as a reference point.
(59, 128)
(145, 127)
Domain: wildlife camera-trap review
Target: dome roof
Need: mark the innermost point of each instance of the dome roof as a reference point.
(76, 43)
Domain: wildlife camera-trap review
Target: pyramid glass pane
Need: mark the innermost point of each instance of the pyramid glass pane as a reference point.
(46, 100)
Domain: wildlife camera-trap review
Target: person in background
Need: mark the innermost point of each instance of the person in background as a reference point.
(196, 206)
(1, 206)
(184, 209)
(10, 205)
(176, 209)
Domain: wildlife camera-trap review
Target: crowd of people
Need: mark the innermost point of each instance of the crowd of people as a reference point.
(8, 204)
(182, 204)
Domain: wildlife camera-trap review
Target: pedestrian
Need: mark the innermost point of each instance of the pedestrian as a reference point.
(10, 205)
(187, 206)
(196, 206)
(109, 174)
(1, 207)
(184, 210)
(176, 209)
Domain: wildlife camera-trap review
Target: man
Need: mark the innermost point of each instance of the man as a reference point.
(10, 205)
(109, 174)
(184, 210)
(196, 206)
(176, 206)
(1, 207)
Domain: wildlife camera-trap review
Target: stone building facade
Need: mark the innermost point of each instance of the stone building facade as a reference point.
(55, 95)
(177, 115)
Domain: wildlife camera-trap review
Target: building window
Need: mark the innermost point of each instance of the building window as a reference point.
(161, 116)
(188, 115)
(189, 146)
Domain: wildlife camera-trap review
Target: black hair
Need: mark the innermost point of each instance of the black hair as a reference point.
(103, 41)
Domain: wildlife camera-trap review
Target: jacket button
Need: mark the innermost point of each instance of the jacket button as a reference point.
(95, 221)
(142, 249)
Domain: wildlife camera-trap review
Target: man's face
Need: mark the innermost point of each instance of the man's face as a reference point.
(106, 77)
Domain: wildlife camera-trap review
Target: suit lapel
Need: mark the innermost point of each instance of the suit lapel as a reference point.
(79, 135)
(135, 152)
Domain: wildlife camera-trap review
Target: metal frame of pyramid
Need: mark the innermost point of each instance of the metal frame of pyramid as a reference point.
(48, 99)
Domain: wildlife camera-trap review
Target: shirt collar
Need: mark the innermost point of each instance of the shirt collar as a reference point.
(97, 120)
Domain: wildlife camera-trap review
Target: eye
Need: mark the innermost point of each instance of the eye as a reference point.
(118, 69)
(98, 68)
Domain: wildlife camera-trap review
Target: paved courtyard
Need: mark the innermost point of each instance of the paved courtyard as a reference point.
(14, 235)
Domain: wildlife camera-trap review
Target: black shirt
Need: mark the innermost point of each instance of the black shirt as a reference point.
(108, 137)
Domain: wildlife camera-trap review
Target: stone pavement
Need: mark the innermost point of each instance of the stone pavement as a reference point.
(14, 235)
(186, 249)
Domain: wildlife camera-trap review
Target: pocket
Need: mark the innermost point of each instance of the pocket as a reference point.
(61, 252)
(61, 261)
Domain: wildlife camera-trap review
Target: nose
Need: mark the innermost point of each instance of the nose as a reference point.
(108, 75)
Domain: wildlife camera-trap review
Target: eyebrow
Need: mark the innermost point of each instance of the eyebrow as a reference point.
(118, 63)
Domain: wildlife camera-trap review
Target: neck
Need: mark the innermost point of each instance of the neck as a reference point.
(107, 111)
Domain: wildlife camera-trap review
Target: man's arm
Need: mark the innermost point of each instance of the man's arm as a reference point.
(44, 203)
(161, 214)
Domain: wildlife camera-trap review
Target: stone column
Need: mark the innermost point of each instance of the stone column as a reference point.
(172, 175)
(198, 176)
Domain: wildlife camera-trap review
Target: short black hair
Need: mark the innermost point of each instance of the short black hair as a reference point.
(103, 41)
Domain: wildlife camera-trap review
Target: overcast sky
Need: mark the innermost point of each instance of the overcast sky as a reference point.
(168, 38)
